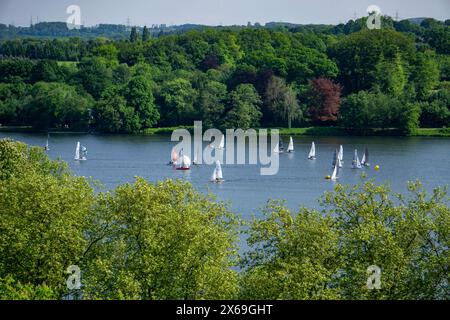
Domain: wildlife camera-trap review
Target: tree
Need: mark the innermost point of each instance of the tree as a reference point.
(281, 101)
(425, 74)
(44, 216)
(324, 99)
(359, 54)
(140, 97)
(95, 75)
(57, 105)
(243, 108)
(391, 77)
(161, 241)
(211, 101)
(111, 113)
(145, 34)
(365, 111)
(326, 254)
(134, 34)
(178, 98)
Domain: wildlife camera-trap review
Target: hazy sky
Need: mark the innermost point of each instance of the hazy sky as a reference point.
(214, 12)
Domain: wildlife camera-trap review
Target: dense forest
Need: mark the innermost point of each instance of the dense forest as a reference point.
(278, 75)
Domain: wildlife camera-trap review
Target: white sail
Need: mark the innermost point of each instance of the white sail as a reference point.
(341, 153)
(218, 170)
(277, 148)
(217, 173)
(335, 172)
(185, 162)
(47, 147)
(365, 158)
(77, 151)
(291, 145)
(312, 151)
(356, 163)
(222, 142)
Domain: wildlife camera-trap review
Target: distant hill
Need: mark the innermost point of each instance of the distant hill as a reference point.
(119, 31)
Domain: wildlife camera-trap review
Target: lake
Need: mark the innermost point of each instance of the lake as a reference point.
(117, 159)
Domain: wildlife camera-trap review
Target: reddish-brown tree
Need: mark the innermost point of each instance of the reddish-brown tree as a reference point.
(324, 100)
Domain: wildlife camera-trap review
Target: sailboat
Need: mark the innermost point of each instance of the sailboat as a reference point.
(221, 145)
(184, 162)
(277, 148)
(341, 156)
(365, 158)
(291, 145)
(217, 176)
(47, 147)
(334, 175)
(173, 158)
(80, 152)
(312, 152)
(355, 163)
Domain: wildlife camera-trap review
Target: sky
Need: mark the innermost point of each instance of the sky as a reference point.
(214, 12)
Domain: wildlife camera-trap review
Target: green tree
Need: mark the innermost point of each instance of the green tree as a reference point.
(44, 215)
(211, 101)
(111, 113)
(243, 108)
(162, 241)
(139, 96)
(145, 34)
(425, 74)
(391, 77)
(134, 34)
(178, 98)
(57, 105)
(281, 101)
(325, 254)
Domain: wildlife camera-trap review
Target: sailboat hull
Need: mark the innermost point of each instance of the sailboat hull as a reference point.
(183, 169)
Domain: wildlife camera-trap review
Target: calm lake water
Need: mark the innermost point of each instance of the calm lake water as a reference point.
(117, 159)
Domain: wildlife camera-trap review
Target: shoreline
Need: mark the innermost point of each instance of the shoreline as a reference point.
(306, 131)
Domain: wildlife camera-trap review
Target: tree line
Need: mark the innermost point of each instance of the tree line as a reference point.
(168, 241)
(344, 75)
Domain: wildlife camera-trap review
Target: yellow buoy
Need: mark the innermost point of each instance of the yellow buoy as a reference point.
(328, 177)
(377, 167)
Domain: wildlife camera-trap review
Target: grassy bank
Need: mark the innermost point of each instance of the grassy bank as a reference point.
(309, 131)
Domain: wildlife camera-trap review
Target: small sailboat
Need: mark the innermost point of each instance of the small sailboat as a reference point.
(173, 157)
(221, 145)
(312, 152)
(341, 156)
(80, 152)
(47, 146)
(334, 175)
(365, 158)
(356, 164)
(277, 148)
(217, 175)
(184, 162)
(291, 145)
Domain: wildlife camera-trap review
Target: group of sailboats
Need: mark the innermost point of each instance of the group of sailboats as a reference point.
(279, 147)
(338, 160)
(80, 150)
(179, 160)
